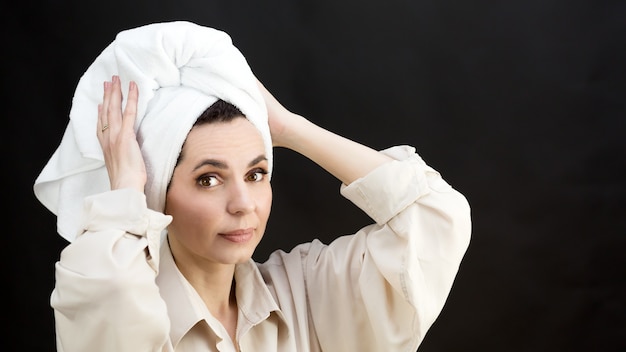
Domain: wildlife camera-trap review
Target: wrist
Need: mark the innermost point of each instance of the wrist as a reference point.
(292, 129)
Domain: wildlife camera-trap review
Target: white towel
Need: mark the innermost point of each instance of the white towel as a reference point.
(181, 68)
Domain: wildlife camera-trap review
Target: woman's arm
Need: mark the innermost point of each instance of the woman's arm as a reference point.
(105, 297)
(384, 286)
(345, 159)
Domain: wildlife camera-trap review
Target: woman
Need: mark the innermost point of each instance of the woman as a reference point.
(161, 261)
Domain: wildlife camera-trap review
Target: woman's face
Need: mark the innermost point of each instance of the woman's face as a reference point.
(220, 195)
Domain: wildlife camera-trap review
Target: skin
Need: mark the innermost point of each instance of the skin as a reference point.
(238, 198)
(220, 186)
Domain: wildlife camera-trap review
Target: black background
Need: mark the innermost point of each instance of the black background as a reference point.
(521, 105)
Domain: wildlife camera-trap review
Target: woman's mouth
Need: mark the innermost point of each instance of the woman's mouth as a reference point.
(238, 236)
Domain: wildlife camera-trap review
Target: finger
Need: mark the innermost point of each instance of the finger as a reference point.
(114, 106)
(102, 107)
(105, 101)
(130, 111)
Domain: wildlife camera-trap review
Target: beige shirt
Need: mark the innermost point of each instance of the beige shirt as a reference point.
(379, 289)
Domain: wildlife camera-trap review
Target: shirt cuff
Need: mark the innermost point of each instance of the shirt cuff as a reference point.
(391, 187)
(126, 211)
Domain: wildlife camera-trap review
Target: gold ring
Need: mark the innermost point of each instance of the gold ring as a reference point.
(106, 125)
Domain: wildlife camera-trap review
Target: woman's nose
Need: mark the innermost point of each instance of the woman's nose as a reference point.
(241, 199)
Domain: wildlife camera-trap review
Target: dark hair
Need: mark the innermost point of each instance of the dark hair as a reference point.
(220, 111)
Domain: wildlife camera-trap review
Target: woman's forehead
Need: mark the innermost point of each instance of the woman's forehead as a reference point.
(232, 139)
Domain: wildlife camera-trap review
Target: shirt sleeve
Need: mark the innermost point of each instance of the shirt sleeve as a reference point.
(105, 296)
(382, 288)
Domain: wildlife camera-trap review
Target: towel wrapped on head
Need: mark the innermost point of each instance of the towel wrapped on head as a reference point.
(181, 68)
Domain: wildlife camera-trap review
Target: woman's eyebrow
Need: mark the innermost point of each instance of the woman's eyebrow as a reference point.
(222, 165)
(212, 162)
(257, 160)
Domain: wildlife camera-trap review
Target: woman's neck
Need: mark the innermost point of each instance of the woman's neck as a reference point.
(215, 284)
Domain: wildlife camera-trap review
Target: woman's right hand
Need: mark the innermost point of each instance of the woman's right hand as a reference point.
(116, 134)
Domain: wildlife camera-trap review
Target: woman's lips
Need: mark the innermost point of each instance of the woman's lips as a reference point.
(238, 236)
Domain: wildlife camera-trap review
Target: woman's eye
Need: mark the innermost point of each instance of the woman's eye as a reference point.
(207, 181)
(257, 176)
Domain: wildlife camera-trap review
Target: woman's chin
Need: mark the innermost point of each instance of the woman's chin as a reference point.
(237, 256)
